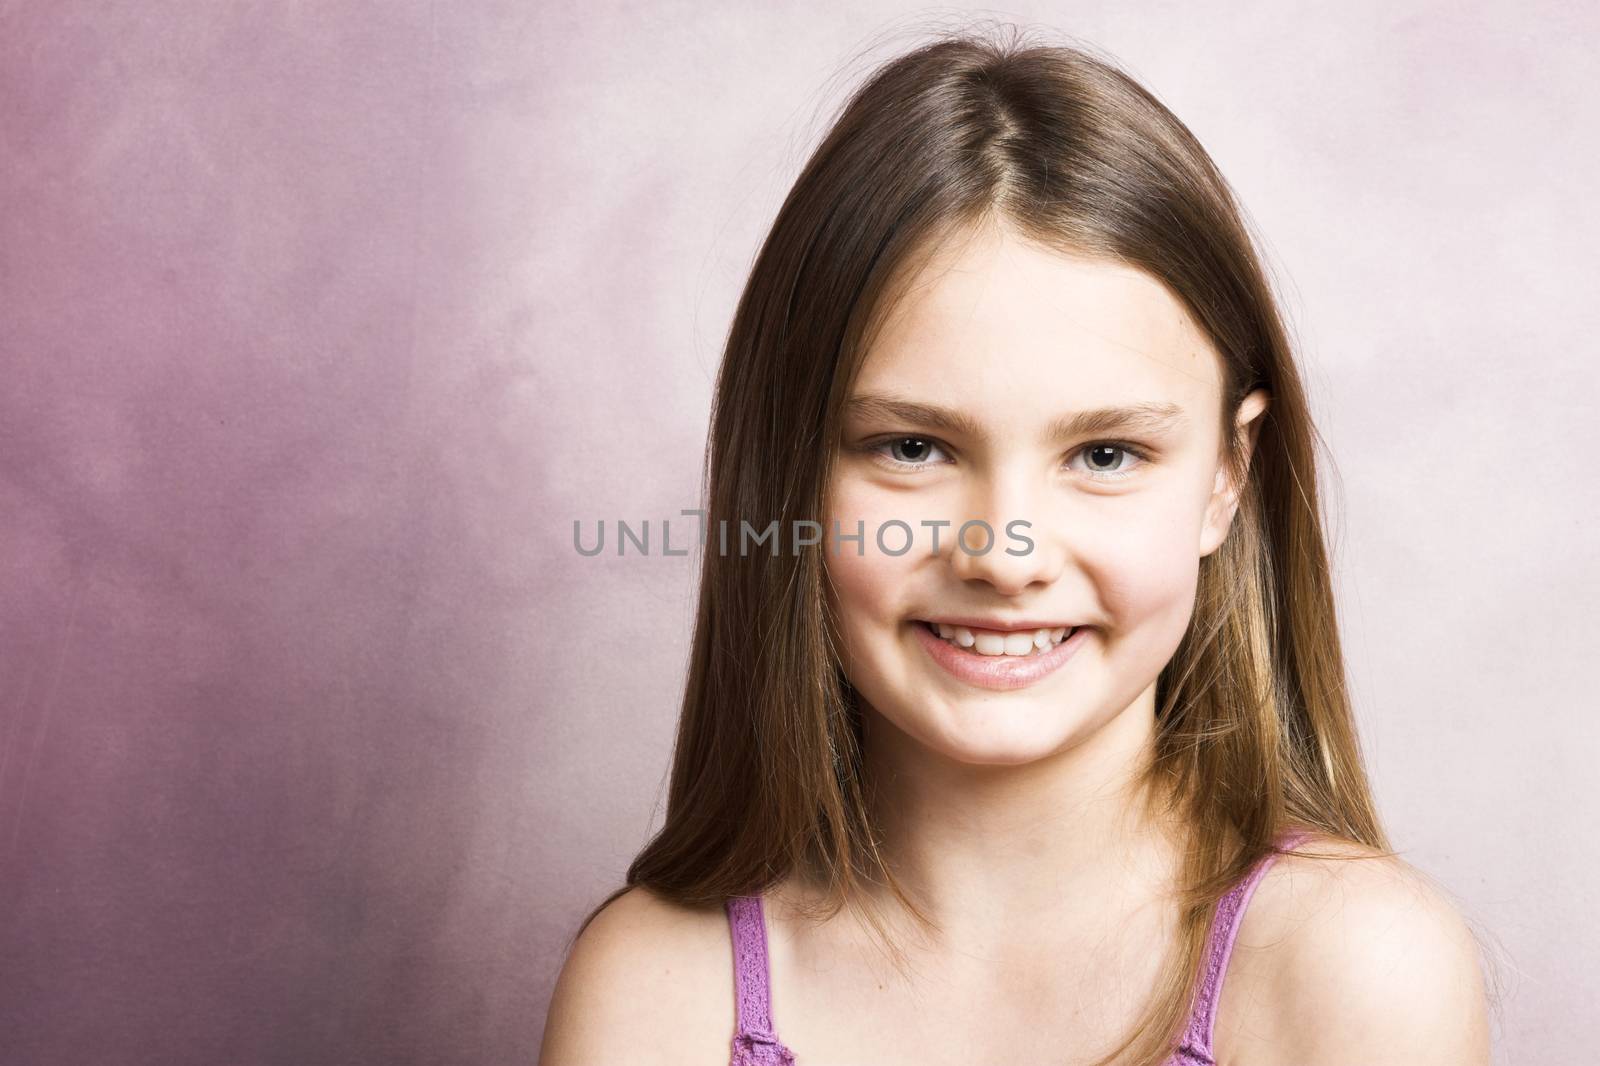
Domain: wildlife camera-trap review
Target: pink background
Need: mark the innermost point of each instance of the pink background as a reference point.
(320, 323)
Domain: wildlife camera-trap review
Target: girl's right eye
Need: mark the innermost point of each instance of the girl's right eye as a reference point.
(907, 453)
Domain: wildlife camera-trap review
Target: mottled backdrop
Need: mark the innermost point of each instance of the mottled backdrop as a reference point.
(320, 322)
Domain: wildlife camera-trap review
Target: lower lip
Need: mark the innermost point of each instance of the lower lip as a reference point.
(998, 671)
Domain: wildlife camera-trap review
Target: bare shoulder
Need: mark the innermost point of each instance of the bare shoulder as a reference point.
(648, 981)
(1355, 956)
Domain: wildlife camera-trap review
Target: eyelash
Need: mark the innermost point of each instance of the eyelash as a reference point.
(1142, 455)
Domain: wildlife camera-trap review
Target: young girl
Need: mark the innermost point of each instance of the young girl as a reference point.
(1041, 752)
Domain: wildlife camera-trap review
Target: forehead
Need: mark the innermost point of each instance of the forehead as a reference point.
(993, 318)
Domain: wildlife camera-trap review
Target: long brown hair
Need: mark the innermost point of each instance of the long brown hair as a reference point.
(1254, 734)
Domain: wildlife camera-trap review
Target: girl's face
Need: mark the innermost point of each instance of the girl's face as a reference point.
(992, 395)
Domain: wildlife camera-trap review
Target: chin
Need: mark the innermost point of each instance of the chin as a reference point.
(1005, 732)
(998, 755)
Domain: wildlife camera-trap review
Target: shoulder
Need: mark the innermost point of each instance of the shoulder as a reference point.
(648, 980)
(1357, 956)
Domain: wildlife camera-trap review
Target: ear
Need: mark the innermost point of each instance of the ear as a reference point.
(1224, 501)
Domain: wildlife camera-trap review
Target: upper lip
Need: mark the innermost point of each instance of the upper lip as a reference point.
(1000, 625)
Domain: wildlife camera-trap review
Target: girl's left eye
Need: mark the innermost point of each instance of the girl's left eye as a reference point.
(1120, 452)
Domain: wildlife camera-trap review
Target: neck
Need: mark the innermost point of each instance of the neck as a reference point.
(987, 850)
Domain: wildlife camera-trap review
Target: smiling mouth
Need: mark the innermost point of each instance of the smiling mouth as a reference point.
(994, 644)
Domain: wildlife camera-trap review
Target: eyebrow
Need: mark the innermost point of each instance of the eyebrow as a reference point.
(1147, 417)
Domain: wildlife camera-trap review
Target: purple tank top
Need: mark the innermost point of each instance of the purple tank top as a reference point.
(756, 1044)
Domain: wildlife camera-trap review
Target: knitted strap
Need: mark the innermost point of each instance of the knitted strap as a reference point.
(1224, 931)
(754, 1042)
(750, 973)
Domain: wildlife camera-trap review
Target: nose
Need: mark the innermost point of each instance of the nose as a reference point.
(1027, 554)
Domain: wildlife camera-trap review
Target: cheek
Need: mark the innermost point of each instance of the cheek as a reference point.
(865, 584)
(857, 585)
(1147, 568)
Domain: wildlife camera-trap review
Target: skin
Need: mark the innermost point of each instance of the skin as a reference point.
(1007, 814)
(992, 798)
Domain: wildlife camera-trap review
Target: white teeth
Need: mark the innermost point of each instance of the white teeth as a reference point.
(990, 642)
